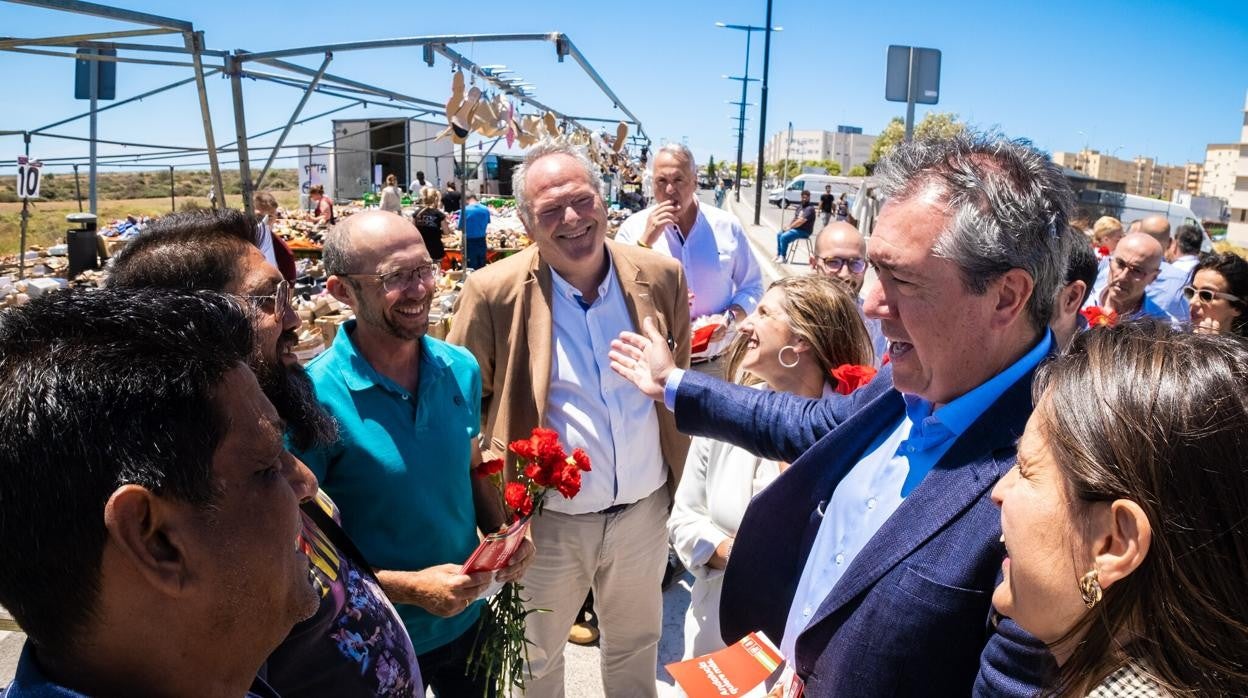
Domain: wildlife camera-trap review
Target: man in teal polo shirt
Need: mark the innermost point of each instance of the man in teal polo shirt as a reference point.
(408, 408)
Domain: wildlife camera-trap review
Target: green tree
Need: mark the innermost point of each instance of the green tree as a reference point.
(932, 125)
(857, 171)
(710, 168)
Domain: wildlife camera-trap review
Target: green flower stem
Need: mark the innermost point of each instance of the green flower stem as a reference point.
(501, 650)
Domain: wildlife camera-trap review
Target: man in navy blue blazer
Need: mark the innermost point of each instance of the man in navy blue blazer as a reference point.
(874, 555)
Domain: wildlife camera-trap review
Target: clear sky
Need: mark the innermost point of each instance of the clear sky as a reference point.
(1159, 78)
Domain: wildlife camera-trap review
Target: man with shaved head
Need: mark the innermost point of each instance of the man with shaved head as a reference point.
(408, 409)
(841, 255)
(1165, 291)
(1136, 263)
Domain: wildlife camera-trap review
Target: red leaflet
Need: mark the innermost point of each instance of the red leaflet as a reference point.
(850, 377)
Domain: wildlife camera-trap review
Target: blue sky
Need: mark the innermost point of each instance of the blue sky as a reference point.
(1159, 79)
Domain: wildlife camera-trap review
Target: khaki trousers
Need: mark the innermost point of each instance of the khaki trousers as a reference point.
(621, 557)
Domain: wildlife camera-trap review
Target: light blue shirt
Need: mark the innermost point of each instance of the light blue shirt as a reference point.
(719, 266)
(1184, 265)
(593, 408)
(891, 467)
(1165, 293)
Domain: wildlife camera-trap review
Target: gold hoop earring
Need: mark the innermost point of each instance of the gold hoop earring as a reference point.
(1090, 588)
(796, 356)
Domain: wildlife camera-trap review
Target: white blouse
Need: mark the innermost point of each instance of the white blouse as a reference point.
(717, 485)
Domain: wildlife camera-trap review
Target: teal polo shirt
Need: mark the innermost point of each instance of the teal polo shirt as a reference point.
(400, 470)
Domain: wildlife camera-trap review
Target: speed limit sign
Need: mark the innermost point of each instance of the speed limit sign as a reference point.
(27, 177)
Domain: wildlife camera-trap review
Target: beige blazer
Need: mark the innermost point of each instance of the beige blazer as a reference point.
(503, 317)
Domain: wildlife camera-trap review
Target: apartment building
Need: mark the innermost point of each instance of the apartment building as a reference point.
(1237, 231)
(847, 145)
(1221, 160)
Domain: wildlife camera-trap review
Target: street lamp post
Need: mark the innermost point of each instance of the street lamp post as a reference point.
(745, 83)
(762, 119)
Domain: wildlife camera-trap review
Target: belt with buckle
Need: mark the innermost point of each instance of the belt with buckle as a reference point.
(615, 508)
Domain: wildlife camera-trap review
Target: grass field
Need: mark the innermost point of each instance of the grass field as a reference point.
(47, 223)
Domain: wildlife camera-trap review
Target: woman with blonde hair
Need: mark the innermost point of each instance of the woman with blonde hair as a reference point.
(1106, 232)
(392, 196)
(1125, 518)
(805, 337)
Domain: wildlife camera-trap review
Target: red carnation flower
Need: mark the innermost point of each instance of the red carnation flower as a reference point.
(537, 474)
(523, 448)
(1102, 251)
(850, 377)
(568, 481)
(517, 497)
(580, 458)
(488, 468)
(1099, 317)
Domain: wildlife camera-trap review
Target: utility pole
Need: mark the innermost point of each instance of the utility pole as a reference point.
(762, 120)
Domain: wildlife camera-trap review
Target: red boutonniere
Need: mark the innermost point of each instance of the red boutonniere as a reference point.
(1102, 252)
(1099, 317)
(500, 651)
(850, 377)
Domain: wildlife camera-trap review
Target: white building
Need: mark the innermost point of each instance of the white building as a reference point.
(1221, 159)
(847, 145)
(1237, 231)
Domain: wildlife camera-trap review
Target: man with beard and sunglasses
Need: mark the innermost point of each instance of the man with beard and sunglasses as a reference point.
(355, 644)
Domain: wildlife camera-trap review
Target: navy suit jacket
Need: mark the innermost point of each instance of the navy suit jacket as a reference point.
(911, 614)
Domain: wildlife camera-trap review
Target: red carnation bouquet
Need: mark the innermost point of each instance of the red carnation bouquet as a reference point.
(850, 377)
(542, 466)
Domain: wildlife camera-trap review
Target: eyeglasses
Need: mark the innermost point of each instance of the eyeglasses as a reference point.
(857, 265)
(1207, 296)
(1133, 270)
(276, 303)
(403, 278)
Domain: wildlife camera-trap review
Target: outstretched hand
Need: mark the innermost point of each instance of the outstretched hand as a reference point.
(643, 360)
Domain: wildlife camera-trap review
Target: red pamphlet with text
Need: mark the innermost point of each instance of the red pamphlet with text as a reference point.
(733, 671)
(496, 549)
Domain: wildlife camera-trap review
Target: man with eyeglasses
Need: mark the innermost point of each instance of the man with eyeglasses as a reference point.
(408, 410)
(841, 254)
(215, 250)
(1135, 264)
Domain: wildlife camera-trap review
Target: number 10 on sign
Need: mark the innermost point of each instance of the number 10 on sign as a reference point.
(27, 177)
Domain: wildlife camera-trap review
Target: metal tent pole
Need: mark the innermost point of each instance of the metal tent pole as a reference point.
(195, 44)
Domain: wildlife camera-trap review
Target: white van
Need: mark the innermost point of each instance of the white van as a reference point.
(1129, 207)
(813, 183)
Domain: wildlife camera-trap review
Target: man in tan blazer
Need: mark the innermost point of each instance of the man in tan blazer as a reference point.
(540, 324)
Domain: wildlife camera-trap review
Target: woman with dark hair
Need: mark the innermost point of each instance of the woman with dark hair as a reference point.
(803, 338)
(1125, 518)
(1217, 295)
